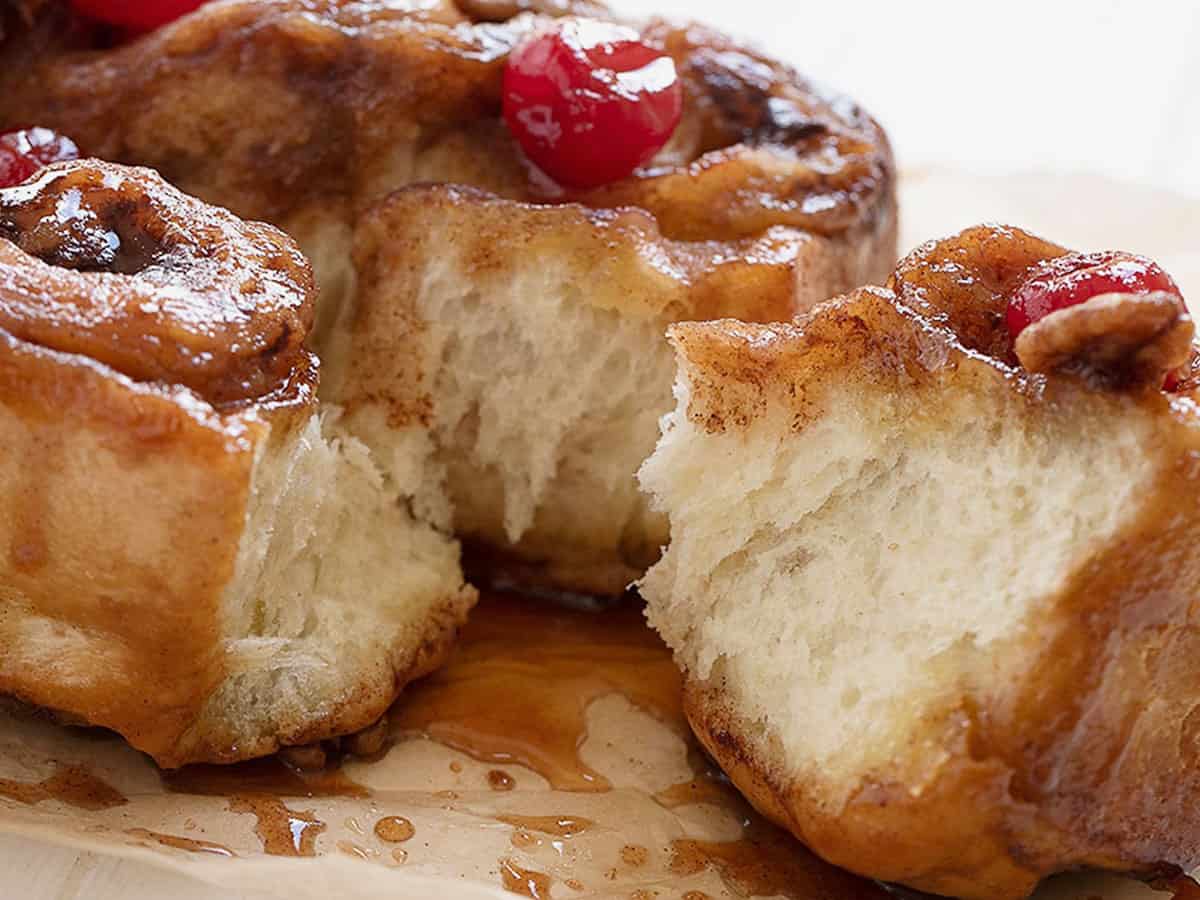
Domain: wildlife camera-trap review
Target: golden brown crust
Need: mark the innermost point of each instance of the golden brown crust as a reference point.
(176, 476)
(268, 106)
(116, 265)
(151, 362)
(1090, 757)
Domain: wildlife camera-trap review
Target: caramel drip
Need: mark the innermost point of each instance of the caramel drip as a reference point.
(262, 776)
(698, 790)
(70, 785)
(559, 826)
(525, 882)
(768, 862)
(518, 688)
(499, 780)
(283, 831)
(394, 829)
(191, 845)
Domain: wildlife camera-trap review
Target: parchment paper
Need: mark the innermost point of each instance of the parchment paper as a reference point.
(667, 826)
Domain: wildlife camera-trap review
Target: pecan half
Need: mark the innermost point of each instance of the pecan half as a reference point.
(1124, 338)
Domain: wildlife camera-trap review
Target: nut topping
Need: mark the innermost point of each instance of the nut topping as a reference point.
(1128, 338)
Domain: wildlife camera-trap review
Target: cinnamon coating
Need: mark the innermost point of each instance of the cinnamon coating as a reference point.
(265, 106)
(114, 264)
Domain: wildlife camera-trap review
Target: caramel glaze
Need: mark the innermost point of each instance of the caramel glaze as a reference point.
(518, 692)
(767, 862)
(558, 826)
(525, 882)
(116, 265)
(331, 99)
(394, 829)
(283, 831)
(522, 677)
(190, 845)
(269, 776)
(70, 785)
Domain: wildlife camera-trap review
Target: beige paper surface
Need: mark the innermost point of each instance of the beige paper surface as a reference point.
(540, 723)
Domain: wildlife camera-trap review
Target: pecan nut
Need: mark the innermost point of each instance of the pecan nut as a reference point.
(1126, 338)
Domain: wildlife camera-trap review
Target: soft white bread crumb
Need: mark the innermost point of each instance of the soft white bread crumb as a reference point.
(530, 342)
(340, 594)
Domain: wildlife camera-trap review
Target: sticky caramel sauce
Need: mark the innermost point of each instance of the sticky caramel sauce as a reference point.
(263, 776)
(499, 780)
(525, 671)
(525, 882)
(558, 826)
(394, 829)
(191, 845)
(70, 785)
(768, 862)
(283, 831)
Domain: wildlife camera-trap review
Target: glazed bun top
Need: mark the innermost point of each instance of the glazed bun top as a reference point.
(1125, 323)
(264, 105)
(113, 264)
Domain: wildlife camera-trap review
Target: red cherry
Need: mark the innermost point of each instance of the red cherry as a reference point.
(1072, 279)
(137, 15)
(589, 102)
(24, 152)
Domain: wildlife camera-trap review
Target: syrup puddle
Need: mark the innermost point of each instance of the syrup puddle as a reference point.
(283, 831)
(70, 785)
(523, 676)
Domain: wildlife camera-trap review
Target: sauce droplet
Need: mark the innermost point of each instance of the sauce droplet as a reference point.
(394, 829)
(525, 882)
(352, 849)
(191, 845)
(70, 785)
(283, 831)
(559, 826)
(499, 780)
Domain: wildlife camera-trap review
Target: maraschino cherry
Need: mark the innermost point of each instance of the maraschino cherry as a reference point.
(589, 102)
(24, 152)
(135, 15)
(1077, 277)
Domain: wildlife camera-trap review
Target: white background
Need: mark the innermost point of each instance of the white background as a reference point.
(998, 85)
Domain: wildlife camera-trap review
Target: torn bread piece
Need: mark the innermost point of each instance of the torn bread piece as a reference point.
(193, 555)
(937, 612)
(521, 322)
